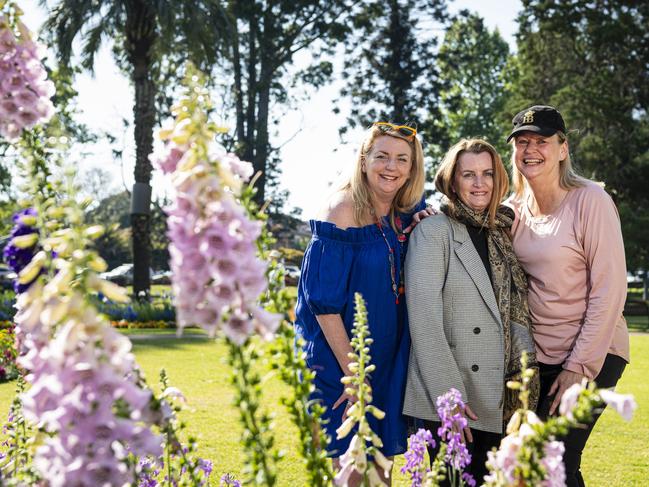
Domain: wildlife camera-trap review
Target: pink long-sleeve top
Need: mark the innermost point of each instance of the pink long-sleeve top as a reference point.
(577, 279)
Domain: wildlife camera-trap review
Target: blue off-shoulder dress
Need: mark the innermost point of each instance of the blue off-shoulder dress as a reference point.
(338, 263)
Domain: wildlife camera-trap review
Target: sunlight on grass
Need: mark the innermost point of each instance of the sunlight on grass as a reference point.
(617, 454)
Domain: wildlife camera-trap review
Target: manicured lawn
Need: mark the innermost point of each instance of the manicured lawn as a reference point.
(617, 454)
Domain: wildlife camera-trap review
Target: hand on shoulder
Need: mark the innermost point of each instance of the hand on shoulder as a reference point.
(339, 210)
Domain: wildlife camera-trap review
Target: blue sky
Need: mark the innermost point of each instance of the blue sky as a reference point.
(312, 156)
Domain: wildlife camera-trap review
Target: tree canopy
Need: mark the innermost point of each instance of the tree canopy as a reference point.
(590, 60)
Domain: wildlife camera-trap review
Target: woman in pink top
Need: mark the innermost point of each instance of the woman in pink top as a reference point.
(568, 239)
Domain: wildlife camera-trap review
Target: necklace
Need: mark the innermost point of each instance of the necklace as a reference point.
(397, 288)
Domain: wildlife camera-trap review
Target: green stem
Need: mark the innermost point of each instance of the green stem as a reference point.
(169, 438)
(256, 444)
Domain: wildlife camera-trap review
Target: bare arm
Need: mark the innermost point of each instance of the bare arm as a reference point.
(336, 335)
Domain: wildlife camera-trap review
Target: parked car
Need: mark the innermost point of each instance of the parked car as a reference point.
(161, 277)
(635, 279)
(292, 275)
(122, 275)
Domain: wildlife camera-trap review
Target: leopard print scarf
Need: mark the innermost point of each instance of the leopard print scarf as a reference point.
(510, 288)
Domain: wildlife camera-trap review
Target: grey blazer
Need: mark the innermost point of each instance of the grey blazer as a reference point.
(455, 325)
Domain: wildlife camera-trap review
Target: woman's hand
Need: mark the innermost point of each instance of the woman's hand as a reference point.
(466, 433)
(346, 399)
(419, 216)
(564, 380)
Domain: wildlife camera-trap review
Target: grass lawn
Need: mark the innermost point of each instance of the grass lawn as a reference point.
(617, 453)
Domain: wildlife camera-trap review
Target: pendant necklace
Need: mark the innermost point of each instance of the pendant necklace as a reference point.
(397, 288)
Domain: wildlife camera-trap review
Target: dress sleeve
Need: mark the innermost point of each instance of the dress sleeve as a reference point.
(325, 275)
(599, 225)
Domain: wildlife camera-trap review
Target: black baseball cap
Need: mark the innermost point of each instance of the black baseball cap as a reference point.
(540, 119)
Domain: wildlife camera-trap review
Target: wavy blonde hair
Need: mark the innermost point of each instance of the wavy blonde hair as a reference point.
(568, 177)
(447, 169)
(408, 195)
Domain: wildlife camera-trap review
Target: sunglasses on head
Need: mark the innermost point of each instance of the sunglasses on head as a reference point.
(404, 130)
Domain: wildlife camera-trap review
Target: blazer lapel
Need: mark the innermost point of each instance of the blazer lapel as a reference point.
(468, 255)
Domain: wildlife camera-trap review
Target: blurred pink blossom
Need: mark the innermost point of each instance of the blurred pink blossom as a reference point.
(217, 276)
(624, 404)
(25, 90)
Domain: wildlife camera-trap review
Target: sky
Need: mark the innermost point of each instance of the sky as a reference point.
(312, 155)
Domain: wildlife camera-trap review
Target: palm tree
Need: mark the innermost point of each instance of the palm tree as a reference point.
(146, 33)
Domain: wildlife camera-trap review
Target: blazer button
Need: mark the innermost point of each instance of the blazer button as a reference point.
(476, 330)
(475, 367)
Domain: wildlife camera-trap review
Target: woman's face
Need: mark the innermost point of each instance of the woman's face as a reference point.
(474, 180)
(537, 156)
(388, 166)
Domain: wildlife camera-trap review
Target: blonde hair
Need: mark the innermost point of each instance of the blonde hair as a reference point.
(568, 177)
(408, 195)
(446, 174)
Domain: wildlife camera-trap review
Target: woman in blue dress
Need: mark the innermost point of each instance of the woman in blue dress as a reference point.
(358, 245)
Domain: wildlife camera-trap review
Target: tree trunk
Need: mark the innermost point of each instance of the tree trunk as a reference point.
(398, 85)
(140, 32)
(248, 150)
(238, 90)
(261, 143)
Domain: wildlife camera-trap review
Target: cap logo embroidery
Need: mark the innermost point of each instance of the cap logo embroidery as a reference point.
(528, 117)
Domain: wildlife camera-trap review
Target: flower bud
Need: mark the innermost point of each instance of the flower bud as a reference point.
(98, 264)
(29, 220)
(345, 428)
(31, 270)
(94, 231)
(114, 292)
(376, 412)
(25, 241)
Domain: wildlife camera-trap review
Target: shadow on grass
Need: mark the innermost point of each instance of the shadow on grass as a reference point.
(168, 340)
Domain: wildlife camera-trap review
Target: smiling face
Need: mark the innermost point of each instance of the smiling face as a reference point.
(474, 180)
(387, 166)
(537, 157)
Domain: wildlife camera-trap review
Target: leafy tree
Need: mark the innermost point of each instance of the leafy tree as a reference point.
(472, 61)
(145, 35)
(266, 36)
(390, 66)
(113, 246)
(96, 183)
(590, 60)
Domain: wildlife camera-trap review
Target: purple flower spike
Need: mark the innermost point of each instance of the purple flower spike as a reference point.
(15, 257)
(228, 480)
(415, 456)
(449, 408)
(25, 90)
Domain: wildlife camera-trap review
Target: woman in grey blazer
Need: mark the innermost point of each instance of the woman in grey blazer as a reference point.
(467, 301)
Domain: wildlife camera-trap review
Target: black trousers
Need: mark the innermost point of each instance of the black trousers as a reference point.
(483, 441)
(576, 439)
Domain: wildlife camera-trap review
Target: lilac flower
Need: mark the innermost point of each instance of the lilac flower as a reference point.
(354, 459)
(228, 480)
(624, 404)
(552, 462)
(415, 456)
(502, 463)
(468, 479)
(570, 398)
(206, 466)
(449, 409)
(84, 390)
(217, 277)
(24, 89)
